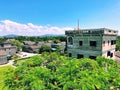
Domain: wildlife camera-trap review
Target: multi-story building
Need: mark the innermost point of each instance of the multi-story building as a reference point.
(91, 43)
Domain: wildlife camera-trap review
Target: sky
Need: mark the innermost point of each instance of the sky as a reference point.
(40, 17)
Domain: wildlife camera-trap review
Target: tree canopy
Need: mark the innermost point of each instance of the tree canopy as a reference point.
(50, 71)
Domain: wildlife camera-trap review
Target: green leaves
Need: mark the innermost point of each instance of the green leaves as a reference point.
(50, 71)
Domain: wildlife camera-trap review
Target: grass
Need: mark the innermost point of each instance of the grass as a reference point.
(17, 62)
(2, 77)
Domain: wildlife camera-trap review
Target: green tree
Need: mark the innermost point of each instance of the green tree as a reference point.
(50, 71)
(45, 48)
(18, 44)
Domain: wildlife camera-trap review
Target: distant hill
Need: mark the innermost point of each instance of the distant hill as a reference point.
(14, 35)
(11, 35)
(53, 35)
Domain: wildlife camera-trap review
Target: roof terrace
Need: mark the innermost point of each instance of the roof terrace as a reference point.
(92, 31)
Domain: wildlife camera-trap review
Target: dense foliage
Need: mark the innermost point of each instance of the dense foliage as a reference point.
(45, 48)
(18, 44)
(118, 43)
(50, 71)
(35, 38)
(3, 69)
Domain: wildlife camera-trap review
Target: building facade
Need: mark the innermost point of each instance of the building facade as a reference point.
(3, 57)
(8, 48)
(91, 43)
(31, 47)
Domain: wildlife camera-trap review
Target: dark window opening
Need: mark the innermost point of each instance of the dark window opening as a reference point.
(113, 42)
(92, 57)
(108, 53)
(80, 56)
(108, 43)
(70, 40)
(93, 43)
(70, 54)
(80, 43)
(103, 43)
(111, 55)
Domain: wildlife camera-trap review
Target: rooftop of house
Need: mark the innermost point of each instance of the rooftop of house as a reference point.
(35, 47)
(28, 43)
(2, 53)
(92, 31)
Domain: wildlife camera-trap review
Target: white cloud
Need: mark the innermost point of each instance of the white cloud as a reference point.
(29, 29)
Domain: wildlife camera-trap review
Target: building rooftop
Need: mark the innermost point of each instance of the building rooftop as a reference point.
(2, 53)
(92, 31)
(28, 43)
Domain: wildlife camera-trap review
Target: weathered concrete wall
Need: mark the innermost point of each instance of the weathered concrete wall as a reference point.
(102, 38)
(86, 49)
(3, 59)
(107, 45)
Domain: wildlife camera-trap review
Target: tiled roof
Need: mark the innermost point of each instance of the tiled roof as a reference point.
(35, 47)
(2, 53)
(29, 42)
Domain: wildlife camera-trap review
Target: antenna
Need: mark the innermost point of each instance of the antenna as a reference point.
(78, 25)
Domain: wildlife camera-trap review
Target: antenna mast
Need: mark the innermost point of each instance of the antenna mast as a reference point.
(78, 25)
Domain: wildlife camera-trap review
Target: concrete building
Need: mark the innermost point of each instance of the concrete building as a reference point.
(8, 48)
(31, 47)
(3, 57)
(91, 43)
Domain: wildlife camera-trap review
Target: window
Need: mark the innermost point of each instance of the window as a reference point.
(103, 43)
(92, 57)
(111, 55)
(70, 54)
(80, 43)
(113, 42)
(93, 43)
(108, 53)
(115, 32)
(70, 40)
(108, 43)
(79, 56)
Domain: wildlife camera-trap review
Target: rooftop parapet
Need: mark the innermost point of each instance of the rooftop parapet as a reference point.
(92, 31)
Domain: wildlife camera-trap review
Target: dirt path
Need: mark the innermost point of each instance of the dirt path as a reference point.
(22, 55)
(10, 63)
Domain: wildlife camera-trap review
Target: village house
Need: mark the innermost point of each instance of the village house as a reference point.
(91, 43)
(6, 50)
(31, 47)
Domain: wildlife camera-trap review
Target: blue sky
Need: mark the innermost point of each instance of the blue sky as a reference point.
(53, 16)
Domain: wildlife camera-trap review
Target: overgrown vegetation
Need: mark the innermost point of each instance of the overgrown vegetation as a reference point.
(54, 72)
(118, 43)
(2, 76)
(35, 38)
